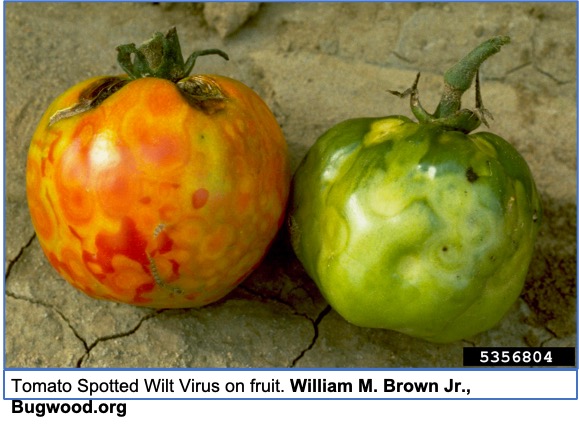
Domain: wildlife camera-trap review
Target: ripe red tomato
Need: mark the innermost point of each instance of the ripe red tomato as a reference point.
(157, 192)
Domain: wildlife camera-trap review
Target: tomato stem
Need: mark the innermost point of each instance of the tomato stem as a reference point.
(160, 57)
(458, 80)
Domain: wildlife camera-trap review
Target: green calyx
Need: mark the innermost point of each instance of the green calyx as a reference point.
(160, 57)
(457, 80)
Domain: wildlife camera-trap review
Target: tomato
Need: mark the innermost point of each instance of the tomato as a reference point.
(422, 228)
(157, 189)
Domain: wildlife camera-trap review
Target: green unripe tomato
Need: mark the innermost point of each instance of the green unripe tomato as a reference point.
(415, 227)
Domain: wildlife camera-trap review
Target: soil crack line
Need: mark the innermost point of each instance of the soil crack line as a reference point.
(551, 76)
(57, 311)
(115, 336)
(315, 324)
(270, 297)
(18, 256)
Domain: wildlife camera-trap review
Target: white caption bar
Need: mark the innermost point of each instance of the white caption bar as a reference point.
(289, 384)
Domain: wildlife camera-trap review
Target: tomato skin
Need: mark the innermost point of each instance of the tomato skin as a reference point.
(413, 228)
(147, 200)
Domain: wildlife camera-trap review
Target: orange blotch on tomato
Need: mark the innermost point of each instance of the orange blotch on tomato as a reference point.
(162, 150)
(128, 241)
(94, 266)
(53, 143)
(200, 198)
(54, 261)
(75, 268)
(188, 231)
(41, 217)
(154, 124)
(168, 212)
(164, 243)
(243, 202)
(126, 275)
(163, 99)
(218, 242)
(72, 180)
(117, 184)
(85, 132)
(192, 296)
(140, 291)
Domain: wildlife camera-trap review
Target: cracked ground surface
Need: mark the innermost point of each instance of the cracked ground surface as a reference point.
(314, 65)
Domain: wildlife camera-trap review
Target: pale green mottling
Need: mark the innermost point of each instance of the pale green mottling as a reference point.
(412, 228)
